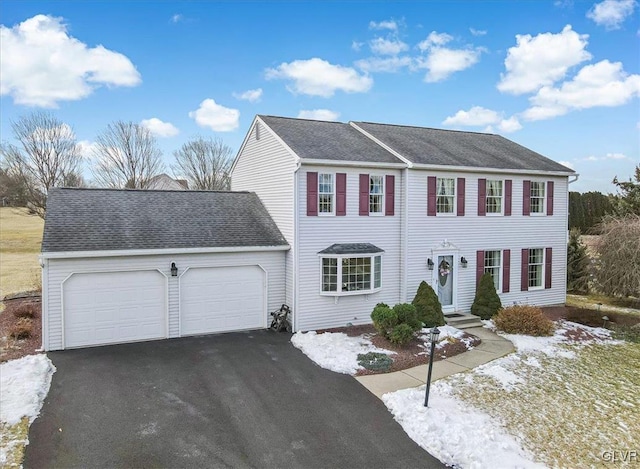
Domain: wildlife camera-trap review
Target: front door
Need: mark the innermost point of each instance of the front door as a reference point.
(445, 285)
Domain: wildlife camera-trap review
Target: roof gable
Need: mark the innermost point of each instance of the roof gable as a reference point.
(108, 219)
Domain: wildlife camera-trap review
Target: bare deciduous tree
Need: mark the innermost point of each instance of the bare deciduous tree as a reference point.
(618, 248)
(47, 154)
(127, 156)
(205, 163)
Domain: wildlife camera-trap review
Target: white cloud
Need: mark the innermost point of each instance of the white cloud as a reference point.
(160, 128)
(542, 60)
(356, 46)
(177, 18)
(87, 149)
(603, 84)
(443, 61)
(250, 95)
(319, 115)
(317, 77)
(434, 39)
(42, 65)
(216, 117)
(611, 13)
(479, 116)
(383, 46)
(386, 64)
(391, 25)
(477, 32)
(616, 156)
(568, 164)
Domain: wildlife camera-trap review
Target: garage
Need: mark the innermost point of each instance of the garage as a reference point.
(123, 266)
(114, 307)
(222, 299)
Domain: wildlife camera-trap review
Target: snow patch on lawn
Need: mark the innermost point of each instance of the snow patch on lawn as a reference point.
(24, 383)
(499, 370)
(453, 431)
(335, 351)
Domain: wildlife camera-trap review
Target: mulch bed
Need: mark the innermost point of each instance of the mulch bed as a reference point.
(589, 317)
(407, 356)
(10, 348)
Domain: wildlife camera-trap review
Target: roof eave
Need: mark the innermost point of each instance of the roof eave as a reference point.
(371, 164)
(471, 169)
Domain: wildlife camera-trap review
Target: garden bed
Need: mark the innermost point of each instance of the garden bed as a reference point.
(11, 348)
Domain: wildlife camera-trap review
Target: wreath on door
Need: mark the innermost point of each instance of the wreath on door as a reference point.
(444, 269)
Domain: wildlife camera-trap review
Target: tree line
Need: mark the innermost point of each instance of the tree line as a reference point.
(125, 155)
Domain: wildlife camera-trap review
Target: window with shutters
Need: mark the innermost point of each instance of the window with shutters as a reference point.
(493, 265)
(537, 197)
(326, 194)
(494, 205)
(445, 195)
(536, 268)
(376, 194)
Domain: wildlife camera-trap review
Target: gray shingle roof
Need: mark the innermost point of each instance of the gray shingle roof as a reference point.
(422, 145)
(108, 219)
(352, 248)
(311, 139)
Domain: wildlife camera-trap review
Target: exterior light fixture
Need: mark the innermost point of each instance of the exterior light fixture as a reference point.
(464, 262)
(430, 264)
(174, 270)
(433, 337)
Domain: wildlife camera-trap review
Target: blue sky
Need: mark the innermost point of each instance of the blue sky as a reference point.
(562, 78)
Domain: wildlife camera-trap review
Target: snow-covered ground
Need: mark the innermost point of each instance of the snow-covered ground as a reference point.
(24, 384)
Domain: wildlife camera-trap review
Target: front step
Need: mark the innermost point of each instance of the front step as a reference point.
(465, 321)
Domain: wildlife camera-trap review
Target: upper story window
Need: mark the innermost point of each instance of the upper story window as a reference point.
(446, 194)
(494, 196)
(376, 194)
(537, 196)
(326, 194)
(536, 268)
(492, 264)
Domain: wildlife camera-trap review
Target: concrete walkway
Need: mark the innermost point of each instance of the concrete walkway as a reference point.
(493, 346)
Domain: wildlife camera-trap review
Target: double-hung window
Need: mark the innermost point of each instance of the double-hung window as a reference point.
(445, 195)
(536, 268)
(537, 197)
(494, 197)
(492, 263)
(351, 274)
(376, 194)
(326, 194)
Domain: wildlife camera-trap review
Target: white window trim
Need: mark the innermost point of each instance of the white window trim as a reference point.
(334, 201)
(502, 197)
(544, 199)
(500, 264)
(339, 258)
(382, 211)
(544, 264)
(454, 212)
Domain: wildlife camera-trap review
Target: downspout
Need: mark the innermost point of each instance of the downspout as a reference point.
(566, 244)
(405, 238)
(295, 246)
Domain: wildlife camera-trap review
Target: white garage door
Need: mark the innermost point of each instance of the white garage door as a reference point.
(112, 307)
(222, 299)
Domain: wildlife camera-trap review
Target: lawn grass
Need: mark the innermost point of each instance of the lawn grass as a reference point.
(591, 302)
(20, 238)
(568, 411)
(13, 440)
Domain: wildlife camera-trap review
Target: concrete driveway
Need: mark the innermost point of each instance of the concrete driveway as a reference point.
(233, 400)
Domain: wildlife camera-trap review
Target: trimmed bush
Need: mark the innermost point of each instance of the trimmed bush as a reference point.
(401, 334)
(375, 361)
(428, 306)
(21, 329)
(27, 310)
(487, 302)
(527, 320)
(407, 314)
(397, 324)
(384, 319)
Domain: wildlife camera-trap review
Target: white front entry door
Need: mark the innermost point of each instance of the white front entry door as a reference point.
(222, 299)
(445, 281)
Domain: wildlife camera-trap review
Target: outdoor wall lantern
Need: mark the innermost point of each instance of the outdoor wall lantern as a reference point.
(433, 337)
(174, 270)
(430, 264)
(464, 262)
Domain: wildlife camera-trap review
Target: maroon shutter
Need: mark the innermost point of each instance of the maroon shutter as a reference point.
(507, 197)
(479, 266)
(431, 196)
(549, 197)
(524, 270)
(341, 194)
(389, 195)
(482, 197)
(526, 198)
(364, 194)
(506, 270)
(547, 268)
(312, 194)
(461, 184)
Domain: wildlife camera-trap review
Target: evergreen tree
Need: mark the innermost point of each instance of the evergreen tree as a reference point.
(428, 306)
(577, 264)
(487, 302)
(628, 200)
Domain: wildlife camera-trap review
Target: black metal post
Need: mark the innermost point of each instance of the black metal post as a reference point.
(433, 351)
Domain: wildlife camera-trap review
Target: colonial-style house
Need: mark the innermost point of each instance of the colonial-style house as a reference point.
(371, 210)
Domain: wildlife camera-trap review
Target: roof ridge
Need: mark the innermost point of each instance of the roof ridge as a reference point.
(303, 119)
(113, 189)
(427, 128)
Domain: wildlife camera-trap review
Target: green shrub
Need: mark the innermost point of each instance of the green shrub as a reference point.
(401, 334)
(407, 314)
(527, 320)
(384, 319)
(428, 306)
(375, 361)
(487, 302)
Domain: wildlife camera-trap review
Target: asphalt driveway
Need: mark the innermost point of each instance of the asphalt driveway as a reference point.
(232, 400)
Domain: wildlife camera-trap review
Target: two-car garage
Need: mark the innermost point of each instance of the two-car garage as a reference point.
(226, 282)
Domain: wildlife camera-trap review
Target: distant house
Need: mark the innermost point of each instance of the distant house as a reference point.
(163, 182)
